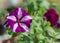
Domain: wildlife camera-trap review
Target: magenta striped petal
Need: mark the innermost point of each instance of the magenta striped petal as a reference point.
(19, 15)
(24, 13)
(6, 23)
(25, 27)
(27, 23)
(19, 29)
(14, 12)
(12, 24)
(13, 18)
(26, 18)
(15, 27)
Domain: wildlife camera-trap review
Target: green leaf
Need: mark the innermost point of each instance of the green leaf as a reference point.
(51, 32)
(40, 36)
(57, 36)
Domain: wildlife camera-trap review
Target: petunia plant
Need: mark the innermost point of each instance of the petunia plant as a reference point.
(18, 21)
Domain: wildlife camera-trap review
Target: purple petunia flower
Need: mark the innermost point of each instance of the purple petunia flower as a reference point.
(52, 17)
(18, 20)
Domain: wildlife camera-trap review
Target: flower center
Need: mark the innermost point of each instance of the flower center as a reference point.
(18, 20)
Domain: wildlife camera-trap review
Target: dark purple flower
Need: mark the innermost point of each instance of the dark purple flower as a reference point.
(18, 20)
(52, 16)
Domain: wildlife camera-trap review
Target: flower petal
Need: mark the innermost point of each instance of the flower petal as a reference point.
(13, 18)
(24, 27)
(19, 15)
(26, 18)
(15, 27)
(6, 23)
(24, 13)
(14, 12)
(19, 29)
